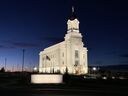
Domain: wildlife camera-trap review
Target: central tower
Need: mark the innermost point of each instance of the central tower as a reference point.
(76, 52)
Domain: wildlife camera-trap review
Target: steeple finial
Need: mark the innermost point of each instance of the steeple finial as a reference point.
(73, 16)
(72, 9)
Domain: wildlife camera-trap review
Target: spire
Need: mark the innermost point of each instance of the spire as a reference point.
(73, 23)
(73, 16)
(73, 9)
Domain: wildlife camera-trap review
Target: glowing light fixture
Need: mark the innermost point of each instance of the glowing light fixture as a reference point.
(94, 68)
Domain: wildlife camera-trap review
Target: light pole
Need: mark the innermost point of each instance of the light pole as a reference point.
(23, 60)
(5, 63)
(94, 70)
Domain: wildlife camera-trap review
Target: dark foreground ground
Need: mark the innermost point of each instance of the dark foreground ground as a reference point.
(18, 85)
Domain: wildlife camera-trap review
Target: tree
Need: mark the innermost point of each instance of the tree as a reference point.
(2, 69)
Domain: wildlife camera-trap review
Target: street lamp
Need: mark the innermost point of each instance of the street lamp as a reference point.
(94, 68)
(35, 69)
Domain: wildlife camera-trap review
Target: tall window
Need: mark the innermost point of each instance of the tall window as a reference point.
(83, 55)
(63, 62)
(76, 54)
(76, 63)
(62, 54)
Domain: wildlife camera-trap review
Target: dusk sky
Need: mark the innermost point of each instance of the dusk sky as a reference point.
(36, 24)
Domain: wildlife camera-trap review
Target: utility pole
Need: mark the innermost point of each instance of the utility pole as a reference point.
(17, 67)
(13, 68)
(23, 60)
(5, 64)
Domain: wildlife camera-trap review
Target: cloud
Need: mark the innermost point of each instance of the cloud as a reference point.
(51, 39)
(1, 46)
(24, 45)
(6, 47)
(46, 41)
(124, 55)
(12, 45)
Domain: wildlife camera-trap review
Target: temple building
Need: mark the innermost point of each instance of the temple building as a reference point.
(69, 55)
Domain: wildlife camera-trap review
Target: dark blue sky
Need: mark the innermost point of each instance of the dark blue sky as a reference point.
(36, 24)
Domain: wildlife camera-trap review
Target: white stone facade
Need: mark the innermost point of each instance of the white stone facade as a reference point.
(69, 55)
